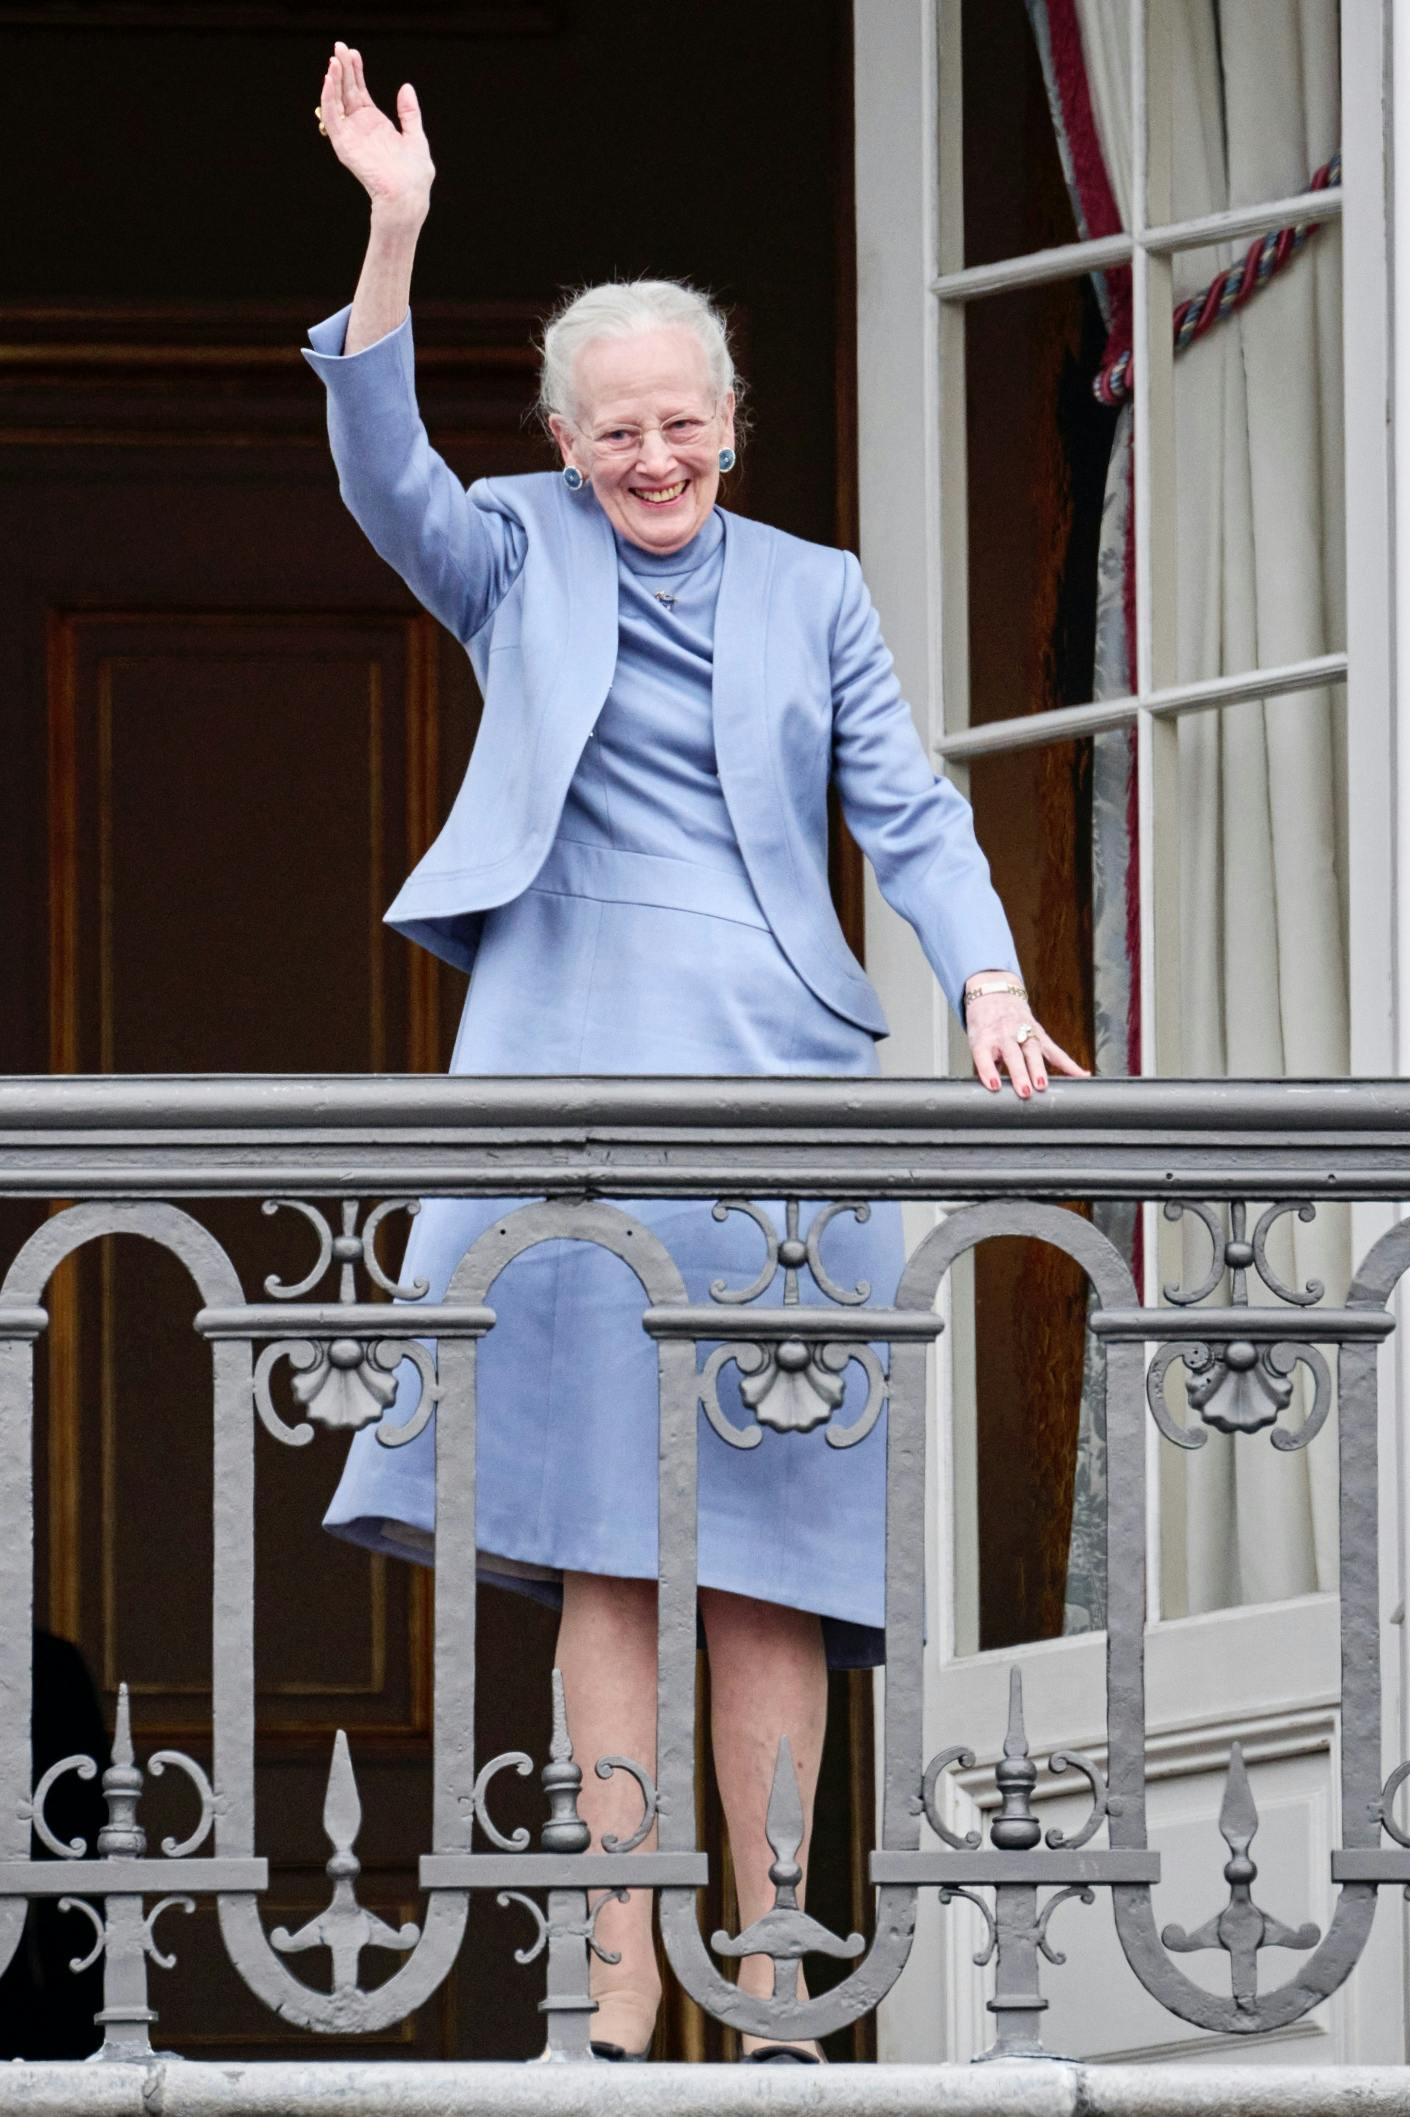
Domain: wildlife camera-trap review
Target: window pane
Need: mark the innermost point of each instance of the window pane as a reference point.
(1260, 818)
(1256, 470)
(1255, 99)
(1033, 813)
(1016, 196)
(1046, 522)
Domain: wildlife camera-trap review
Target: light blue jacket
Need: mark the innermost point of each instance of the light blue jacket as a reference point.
(524, 573)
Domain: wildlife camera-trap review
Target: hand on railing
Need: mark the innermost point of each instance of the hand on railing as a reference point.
(1001, 1030)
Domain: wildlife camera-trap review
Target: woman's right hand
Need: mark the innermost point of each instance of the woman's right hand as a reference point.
(393, 165)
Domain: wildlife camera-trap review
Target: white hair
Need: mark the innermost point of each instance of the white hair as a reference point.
(616, 309)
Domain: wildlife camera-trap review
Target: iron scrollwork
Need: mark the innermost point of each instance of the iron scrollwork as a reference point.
(564, 1929)
(1240, 1383)
(927, 1802)
(650, 1803)
(794, 1382)
(345, 1382)
(1388, 1793)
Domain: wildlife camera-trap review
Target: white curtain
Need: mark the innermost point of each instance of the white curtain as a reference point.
(1261, 822)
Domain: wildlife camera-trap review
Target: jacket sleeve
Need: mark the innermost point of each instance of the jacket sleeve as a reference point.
(916, 829)
(456, 550)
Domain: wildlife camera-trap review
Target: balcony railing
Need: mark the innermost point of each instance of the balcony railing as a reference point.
(141, 1155)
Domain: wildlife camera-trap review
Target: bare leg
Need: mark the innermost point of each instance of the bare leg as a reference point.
(607, 1653)
(768, 1677)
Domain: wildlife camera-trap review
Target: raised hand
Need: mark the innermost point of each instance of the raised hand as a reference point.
(391, 162)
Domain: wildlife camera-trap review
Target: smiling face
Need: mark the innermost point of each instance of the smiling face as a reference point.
(648, 433)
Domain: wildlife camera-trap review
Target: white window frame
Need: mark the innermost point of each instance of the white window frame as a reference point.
(912, 413)
(912, 293)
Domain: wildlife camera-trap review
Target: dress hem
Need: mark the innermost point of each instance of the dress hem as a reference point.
(386, 1534)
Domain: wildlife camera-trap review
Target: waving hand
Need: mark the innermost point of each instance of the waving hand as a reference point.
(391, 162)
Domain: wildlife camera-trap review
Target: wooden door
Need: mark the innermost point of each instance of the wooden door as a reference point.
(231, 734)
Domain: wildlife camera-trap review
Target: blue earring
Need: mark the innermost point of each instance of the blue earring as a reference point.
(573, 477)
(728, 459)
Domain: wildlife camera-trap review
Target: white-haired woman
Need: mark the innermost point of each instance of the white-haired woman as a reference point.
(636, 871)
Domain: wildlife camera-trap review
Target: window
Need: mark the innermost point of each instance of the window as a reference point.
(1141, 608)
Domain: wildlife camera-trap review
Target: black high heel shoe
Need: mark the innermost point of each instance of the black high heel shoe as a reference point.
(616, 2055)
(779, 2054)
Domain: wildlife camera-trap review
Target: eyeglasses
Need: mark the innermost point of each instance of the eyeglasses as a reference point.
(683, 432)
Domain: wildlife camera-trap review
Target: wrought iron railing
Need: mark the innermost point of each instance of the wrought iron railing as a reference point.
(116, 1155)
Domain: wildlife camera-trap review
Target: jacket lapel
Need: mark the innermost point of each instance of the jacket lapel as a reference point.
(743, 736)
(584, 675)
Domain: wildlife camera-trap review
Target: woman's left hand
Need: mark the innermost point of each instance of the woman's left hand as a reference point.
(1001, 1030)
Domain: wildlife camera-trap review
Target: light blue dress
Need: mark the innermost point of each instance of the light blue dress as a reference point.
(642, 935)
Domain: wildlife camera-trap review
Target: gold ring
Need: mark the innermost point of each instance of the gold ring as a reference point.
(1029, 1029)
(318, 113)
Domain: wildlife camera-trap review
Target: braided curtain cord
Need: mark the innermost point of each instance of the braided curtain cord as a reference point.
(1225, 294)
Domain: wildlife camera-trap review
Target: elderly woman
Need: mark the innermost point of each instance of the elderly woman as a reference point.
(635, 871)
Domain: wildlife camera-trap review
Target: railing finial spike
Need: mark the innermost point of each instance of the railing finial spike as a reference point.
(1238, 1812)
(560, 1747)
(1016, 1739)
(123, 1752)
(783, 1821)
(1015, 1828)
(561, 1779)
(342, 1804)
